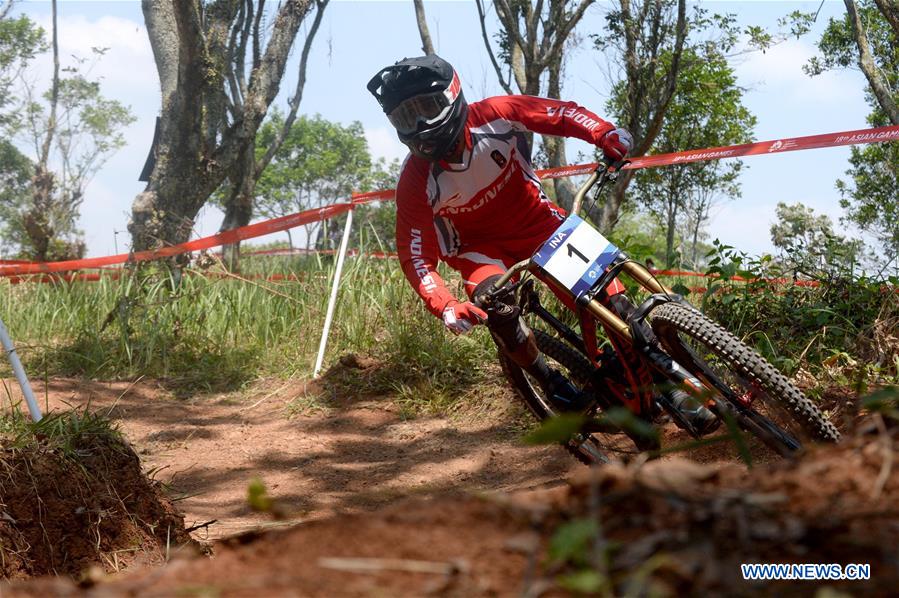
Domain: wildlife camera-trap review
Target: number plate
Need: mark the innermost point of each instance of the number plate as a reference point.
(576, 255)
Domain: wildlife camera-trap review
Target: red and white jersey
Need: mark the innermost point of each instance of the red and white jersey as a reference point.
(492, 200)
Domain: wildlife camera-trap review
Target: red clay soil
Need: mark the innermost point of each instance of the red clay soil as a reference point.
(318, 450)
(339, 454)
(341, 466)
(672, 527)
(62, 511)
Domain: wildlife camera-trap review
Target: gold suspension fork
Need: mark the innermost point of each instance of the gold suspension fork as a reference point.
(611, 320)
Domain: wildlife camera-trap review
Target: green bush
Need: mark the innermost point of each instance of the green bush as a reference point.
(806, 320)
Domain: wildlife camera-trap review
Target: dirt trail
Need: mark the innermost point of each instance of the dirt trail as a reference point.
(670, 528)
(340, 454)
(359, 457)
(348, 456)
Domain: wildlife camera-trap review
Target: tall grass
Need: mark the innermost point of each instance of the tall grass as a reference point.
(209, 331)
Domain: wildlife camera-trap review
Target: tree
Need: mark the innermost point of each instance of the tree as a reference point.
(20, 41)
(218, 76)
(242, 181)
(807, 243)
(646, 41)
(318, 163)
(73, 130)
(533, 41)
(15, 185)
(638, 33)
(871, 196)
(880, 86)
(706, 111)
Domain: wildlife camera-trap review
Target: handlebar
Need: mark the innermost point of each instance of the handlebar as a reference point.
(605, 172)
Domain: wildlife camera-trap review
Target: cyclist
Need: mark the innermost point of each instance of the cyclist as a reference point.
(468, 195)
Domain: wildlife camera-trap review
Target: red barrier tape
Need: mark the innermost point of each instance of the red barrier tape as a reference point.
(266, 227)
(302, 251)
(878, 135)
(224, 238)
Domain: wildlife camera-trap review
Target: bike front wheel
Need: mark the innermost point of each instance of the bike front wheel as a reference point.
(759, 398)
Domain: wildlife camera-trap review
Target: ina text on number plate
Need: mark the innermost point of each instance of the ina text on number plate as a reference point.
(576, 255)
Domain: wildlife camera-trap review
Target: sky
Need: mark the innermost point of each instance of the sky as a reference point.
(357, 38)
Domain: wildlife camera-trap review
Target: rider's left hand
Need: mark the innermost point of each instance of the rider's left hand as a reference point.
(459, 318)
(616, 144)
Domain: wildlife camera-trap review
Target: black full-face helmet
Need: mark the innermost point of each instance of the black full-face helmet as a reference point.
(423, 100)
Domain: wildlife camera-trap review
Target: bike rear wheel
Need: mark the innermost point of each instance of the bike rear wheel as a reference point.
(761, 399)
(583, 446)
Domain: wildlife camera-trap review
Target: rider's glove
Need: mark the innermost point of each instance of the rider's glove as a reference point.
(616, 144)
(460, 317)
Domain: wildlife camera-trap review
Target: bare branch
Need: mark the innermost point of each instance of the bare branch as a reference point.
(241, 51)
(510, 22)
(235, 101)
(533, 19)
(496, 67)
(879, 87)
(7, 6)
(257, 34)
(54, 96)
(297, 97)
(426, 45)
(569, 24)
(265, 80)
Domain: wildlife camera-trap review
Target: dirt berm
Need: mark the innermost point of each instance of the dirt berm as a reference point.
(78, 500)
(671, 527)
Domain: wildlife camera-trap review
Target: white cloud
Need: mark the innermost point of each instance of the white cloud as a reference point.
(127, 64)
(779, 72)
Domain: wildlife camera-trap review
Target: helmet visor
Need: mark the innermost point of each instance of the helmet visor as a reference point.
(428, 109)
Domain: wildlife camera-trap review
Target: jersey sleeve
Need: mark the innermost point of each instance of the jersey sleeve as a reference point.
(416, 241)
(547, 116)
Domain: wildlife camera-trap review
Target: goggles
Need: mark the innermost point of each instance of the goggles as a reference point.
(427, 109)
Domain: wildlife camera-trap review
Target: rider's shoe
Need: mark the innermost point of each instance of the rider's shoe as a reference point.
(563, 395)
(690, 414)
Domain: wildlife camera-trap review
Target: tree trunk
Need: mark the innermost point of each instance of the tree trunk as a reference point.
(890, 11)
(239, 210)
(879, 87)
(669, 234)
(555, 146)
(190, 164)
(426, 45)
(611, 208)
(37, 222)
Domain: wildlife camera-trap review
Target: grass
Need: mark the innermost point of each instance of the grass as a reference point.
(63, 431)
(210, 332)
(216, 334)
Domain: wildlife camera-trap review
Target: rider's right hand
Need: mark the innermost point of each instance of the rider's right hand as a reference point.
(459, 318)
(616, 144)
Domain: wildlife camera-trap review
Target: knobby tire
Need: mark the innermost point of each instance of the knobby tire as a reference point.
(670, 320)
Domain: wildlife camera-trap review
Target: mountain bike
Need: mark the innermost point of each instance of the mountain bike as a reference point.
(679, 347)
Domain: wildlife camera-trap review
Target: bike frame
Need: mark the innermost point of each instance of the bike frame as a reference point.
(630, 332)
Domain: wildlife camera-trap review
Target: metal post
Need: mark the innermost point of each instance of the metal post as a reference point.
(20, 373)
(330, 314)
